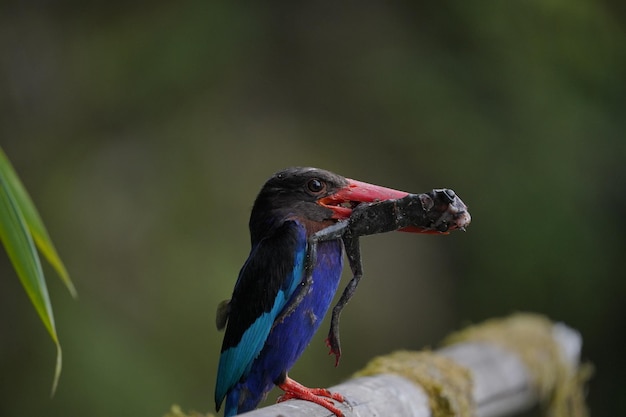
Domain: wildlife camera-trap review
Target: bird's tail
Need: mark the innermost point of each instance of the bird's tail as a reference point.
(232, 403)
(243, 397)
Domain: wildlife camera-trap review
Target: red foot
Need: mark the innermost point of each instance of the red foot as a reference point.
(318, 396)
(334, 350)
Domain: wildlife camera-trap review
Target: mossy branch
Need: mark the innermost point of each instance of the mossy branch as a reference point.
(500, 367)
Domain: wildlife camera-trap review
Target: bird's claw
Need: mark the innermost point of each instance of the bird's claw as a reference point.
(320, 396)
(322, 393)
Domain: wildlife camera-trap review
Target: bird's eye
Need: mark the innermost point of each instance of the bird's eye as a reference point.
(315, 186)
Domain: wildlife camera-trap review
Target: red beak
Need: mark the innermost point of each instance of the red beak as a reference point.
(348, 197)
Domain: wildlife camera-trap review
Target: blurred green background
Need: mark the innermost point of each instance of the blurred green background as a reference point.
(144, 131)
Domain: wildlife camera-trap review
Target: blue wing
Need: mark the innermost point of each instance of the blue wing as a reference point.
(265, 284)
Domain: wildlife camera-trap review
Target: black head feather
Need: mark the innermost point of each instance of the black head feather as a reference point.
(293, 193)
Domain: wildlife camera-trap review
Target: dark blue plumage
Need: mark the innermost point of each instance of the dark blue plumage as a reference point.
(265, 335)
(288, 339)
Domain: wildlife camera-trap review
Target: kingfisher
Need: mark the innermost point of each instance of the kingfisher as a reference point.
(266, 330)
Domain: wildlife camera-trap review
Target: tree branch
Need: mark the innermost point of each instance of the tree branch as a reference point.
(501, 367)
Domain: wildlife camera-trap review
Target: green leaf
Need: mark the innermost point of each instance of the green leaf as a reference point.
(20, 223)
(19, 245)
(33, 220)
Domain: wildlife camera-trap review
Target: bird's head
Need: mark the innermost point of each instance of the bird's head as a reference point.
(314, 196)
